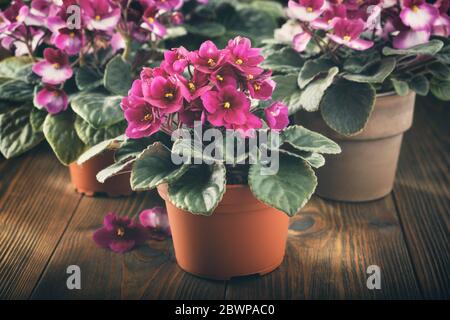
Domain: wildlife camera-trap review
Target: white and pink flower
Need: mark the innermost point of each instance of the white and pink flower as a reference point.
(55, 68)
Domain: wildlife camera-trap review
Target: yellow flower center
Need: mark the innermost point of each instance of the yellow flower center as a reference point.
(219, 77)
(191, 86)
(120, 232)
(151, 19)
(98, 18)
(72, 34)
(309, 9)
(56, 65)
(250, 77)
(347, 38)
(168, 95)
(227, 105)
(415, 8)
(148, 117)
(17, 18)
(257, 87)
(211, 62)
(239, 61)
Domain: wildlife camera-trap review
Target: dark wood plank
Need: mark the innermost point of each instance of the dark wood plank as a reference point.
(330, 246)
(149, 272)
(36, 205)
(422, 196)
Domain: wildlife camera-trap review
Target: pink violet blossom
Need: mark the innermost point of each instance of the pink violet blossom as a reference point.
(151, 23)
(326, 21)
(441, 26)
(52, 99)
(243, 57)
(224, 76)
(168, 5)
(175, 60)
(119, 234)
(195, 87)
(55, 68)
(69, 41)
(418, 14)
(143, 120)
(208, 58)
(261, 87)
(164, 93)
(193, 111)
(157, 222)
(306, 10)
(277, 116)
(347, 32)
(100, 14)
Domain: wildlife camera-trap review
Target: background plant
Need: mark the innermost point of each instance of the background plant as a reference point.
(337, 56)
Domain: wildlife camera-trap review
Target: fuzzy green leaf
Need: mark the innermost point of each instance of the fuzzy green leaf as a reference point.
(347, 106)
(310, 97)
(430, 48)
(16, 90)
(315, 160)
(113, 170)
(440, 89)
(200, 189)
(287, 91)
(311, 69)
(439, 70)
(420, 85)
(61, 135)
(376, 74)
(100, 148)
(400, 87)
(37, 117)
(92, 136)
(286, 60)
(288, 190)
(118, 78)
(87, 79)
(306, 140)
(15, 68)
(206, 29)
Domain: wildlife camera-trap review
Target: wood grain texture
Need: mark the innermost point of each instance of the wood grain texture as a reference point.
(330, 246)
(36, 205)
(422, 197)
(150, 272)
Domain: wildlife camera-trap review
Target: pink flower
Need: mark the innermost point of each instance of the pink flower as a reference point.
(195, 87)
(51, 99)
(327, 19)
(347, 32)
(306, 10)
(151, 22)
(156, 221)
(175, 60)
(100, 14)
(418, 14)
(69, 41)
(277, 116)
(225, 76)
(16, 42)
(143, 120)
(226, 107)
(301, 40)
(193, 111)
(208, 58)
(261, 87)
(409, 38)
(243, 57)
(168, 5)
(177, 18)
(119, 234)
(441, 26)
(164, 93)
(55, 69)
(247, 129)
(14, 16)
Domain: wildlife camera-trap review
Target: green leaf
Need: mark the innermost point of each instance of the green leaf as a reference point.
(400, 87)
(61, 135)
(274, 9)
(286, 60)
(98, 109)
(347, 106)
(306, 140)
(376, 74)
(16, 133)
(287, 91)
(361, 61)
(444, 55)
(15, 68)
(310, 97)
(420, 85)
(311, 69)
(154, 167)
(206, 29)
(86, 78)
(439, 70)
(288, 190)
(200, 189)
(315, 160)
(100, 148)
(37, 117)
(131, 148)
(113, 170)
(16, 90)
(92, 136)
(118, 78)
(430, 48)
(440, 89)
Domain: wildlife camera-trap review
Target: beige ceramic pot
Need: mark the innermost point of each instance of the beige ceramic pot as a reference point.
(365, 170)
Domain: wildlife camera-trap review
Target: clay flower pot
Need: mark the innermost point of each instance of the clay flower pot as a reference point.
(365, 170)
(243, 236)
(84, 177)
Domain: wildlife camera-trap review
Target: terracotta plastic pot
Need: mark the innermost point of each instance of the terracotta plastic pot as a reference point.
(365, 170)
(243, 236)
(84, 177)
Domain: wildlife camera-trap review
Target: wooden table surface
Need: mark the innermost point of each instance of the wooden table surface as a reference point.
(45, 227)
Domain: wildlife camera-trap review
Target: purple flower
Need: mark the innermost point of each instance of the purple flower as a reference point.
(409, 38)
(52, 99)
(418, 14)
(277, 116)
(441, 25)
(69, 41)
(208, 58)
(175, 61)
(119, 234)
(306, 10)
(100, 15)
(226, 107)
(347, 32)
(193, 111)
(261, 87)
(163, 93)
(157, 222)
(301, 40)
(243, 57)
(151, 22)
(55, 69)
(143, 120)
(328, 18)
(168, 5)
(14, 16)
(195, 87)
(225, 76)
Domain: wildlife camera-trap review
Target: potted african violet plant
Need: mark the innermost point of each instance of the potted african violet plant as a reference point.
(360, 64)
(75, 60)
(228, 206)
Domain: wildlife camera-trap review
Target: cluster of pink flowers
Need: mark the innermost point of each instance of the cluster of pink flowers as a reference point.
(76, 28)
(210, 84)
(406, 22)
